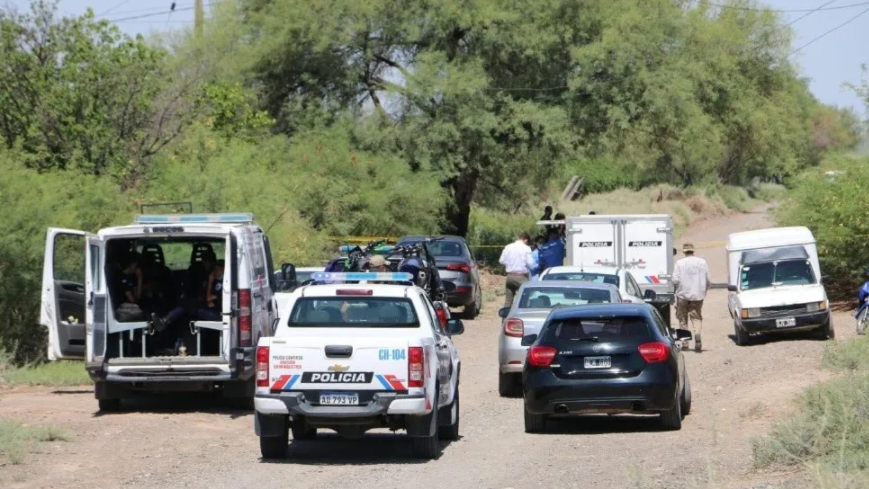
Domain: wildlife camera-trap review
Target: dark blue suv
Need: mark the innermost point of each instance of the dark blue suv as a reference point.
(608, 358)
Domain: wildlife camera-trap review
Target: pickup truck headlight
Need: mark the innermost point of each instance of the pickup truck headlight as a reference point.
(750, 313)
(816, 306)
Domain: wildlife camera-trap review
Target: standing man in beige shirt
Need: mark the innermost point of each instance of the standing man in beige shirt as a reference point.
(517, 259)
(691, 278)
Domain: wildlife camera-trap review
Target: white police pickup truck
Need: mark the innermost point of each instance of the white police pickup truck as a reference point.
(351, 357)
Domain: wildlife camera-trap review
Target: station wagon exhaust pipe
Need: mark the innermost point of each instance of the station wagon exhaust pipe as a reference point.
(561, 409)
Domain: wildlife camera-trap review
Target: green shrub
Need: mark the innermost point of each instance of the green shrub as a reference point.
(852, 355)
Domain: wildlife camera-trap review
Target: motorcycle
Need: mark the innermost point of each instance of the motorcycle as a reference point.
(862, 314)
(418, 261)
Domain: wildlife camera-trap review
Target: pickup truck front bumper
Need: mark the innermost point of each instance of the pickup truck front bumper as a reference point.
(295, 403)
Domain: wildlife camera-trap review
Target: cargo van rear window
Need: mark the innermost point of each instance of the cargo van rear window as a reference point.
(353, 312)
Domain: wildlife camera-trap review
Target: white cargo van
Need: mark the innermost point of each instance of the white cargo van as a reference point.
(641, 243)
(775, 283)
(122, 349)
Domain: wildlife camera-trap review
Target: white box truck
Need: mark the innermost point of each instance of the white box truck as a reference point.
(775, 283)
(640, 243)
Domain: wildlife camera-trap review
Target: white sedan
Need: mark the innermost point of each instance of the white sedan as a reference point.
(620, 277)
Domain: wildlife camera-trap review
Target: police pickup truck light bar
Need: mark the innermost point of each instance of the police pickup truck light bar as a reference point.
(189, 218)
(353, 276)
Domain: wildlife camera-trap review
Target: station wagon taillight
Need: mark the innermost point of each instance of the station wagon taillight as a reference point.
(514, 327)
(459, 267)
(541, 356)
(654, 352)
(415, 366)
(245, 318)
(262, 366)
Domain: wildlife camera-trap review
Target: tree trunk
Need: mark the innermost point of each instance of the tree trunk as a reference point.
(458, 214)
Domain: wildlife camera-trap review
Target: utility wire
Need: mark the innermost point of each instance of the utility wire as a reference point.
(119, 5)
(146, 10)
(145, 16)
(834, 29)
(801, 17)
(755, 9)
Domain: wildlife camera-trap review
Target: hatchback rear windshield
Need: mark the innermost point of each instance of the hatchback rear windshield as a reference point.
(353, 312)
(548, 297)
(597, 278)
(441, 248)
(602, 329)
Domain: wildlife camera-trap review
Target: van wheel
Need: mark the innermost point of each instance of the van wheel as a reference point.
(742, 337)
(671, 419)
(451, 431)
(685, 398)
(826, 332)
(507, 385)
(274, 446)
(534, 423)
(109, 405)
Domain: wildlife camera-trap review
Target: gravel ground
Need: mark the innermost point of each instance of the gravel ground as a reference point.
(185, 441)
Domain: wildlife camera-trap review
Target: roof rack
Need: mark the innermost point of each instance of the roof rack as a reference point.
(244, 218)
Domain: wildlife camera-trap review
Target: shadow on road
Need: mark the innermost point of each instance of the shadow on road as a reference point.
(779, 338)
(602, 425)
(177, 403)
(333, 450)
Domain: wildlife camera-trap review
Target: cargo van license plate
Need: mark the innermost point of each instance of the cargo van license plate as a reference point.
(598, 362)
(339, 399)
(785, 323)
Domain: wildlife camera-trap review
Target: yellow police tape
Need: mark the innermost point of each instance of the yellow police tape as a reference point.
(393, 239)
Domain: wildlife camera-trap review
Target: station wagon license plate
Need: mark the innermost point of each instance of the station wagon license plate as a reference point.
(598, 362)
(785, 323)
(339, 399)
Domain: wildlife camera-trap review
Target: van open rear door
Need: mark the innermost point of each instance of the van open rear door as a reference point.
(63, 293)
(96, 297)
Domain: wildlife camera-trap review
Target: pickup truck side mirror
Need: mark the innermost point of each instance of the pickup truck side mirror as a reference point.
(275, 323)
(529, 339)
(503, 312)
(650, 295)
(732, 288)
(455, 326)
(289, 272)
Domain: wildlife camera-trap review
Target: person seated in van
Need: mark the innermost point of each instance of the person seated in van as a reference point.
(194, 297)
(213, 310)
(130, 289)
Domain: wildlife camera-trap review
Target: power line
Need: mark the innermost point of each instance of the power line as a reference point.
(801, 17)
(143, 10)
(119, 5)
(755, 9)
(834, 29)
(145, 16)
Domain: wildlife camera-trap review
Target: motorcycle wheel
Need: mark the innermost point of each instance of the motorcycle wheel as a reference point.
(863, 321)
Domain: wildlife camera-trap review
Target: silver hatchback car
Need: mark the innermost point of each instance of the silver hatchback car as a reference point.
(533, 303)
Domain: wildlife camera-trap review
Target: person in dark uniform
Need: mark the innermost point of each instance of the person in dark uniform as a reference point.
(130, 282)
(194, 297)
(213, 309)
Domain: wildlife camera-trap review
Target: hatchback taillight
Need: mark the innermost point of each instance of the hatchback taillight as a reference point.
(541, 356)
(654, 352)
(514, 327)
(415, 366)
(262, 366)
(459, 267)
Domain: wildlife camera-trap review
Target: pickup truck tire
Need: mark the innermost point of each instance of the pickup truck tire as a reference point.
(534, 423)
(427, 446)
(274, 446)
(508, 386)
(742, 337)
(451, 431)
(671, 419)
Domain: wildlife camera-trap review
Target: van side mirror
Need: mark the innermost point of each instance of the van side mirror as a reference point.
(503, 312)
(650, 295)
(529, 339)
(732, 288)
(455, 326)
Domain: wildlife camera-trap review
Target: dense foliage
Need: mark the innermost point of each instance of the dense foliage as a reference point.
(342, 117)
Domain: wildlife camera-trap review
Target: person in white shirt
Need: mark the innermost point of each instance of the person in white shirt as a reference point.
(516, 258)
(691, 278)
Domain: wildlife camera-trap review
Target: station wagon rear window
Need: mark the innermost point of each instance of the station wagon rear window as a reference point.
(548, 297)
(353, 312)
(577, 329)
(597, 278)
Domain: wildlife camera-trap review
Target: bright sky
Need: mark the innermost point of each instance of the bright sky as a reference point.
(828, 62)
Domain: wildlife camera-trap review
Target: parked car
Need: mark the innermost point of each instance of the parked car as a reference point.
(620, 277)
(610, 358)
(532, 305)
(455, 264)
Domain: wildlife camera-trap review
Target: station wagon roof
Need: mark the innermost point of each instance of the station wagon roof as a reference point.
(598, 310)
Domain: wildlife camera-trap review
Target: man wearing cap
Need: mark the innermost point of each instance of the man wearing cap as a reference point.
(378, 264)
(691, 278)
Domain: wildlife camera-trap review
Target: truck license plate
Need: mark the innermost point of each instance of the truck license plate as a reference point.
(339, 399)
(785, 323)
(598, 362)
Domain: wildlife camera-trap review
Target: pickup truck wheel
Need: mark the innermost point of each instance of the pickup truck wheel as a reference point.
(427, 446)
(685, 398)
(742, 337)
(109, 405)
(507, 385)
(671, 420)
(274, 446)
(451, 432)
(534, 423)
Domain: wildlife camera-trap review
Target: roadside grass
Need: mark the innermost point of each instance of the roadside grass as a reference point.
(828, 434)
(53, 374)
(17, 439)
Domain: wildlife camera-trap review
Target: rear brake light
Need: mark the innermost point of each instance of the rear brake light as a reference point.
(655, 352)
(442, 317)
(262, 366)
(541, 356)
(514, 327)
(245, 320)
(458, 267)
(355, 292)
(415, 366)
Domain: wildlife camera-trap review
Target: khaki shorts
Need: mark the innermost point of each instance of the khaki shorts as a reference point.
(686, 308)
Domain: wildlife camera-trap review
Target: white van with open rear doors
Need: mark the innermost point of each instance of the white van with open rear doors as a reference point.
(775, 283)
(187, 327)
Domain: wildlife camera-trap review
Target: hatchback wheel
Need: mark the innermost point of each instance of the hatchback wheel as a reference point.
(671, 419)
(685, 398)
(534, 423)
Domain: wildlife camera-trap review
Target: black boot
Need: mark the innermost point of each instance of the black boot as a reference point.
(158, 322)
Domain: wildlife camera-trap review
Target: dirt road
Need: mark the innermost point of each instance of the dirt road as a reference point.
(738, 392)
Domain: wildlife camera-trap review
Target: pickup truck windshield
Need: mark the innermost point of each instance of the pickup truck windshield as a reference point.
(353, 312)
(772, 274)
